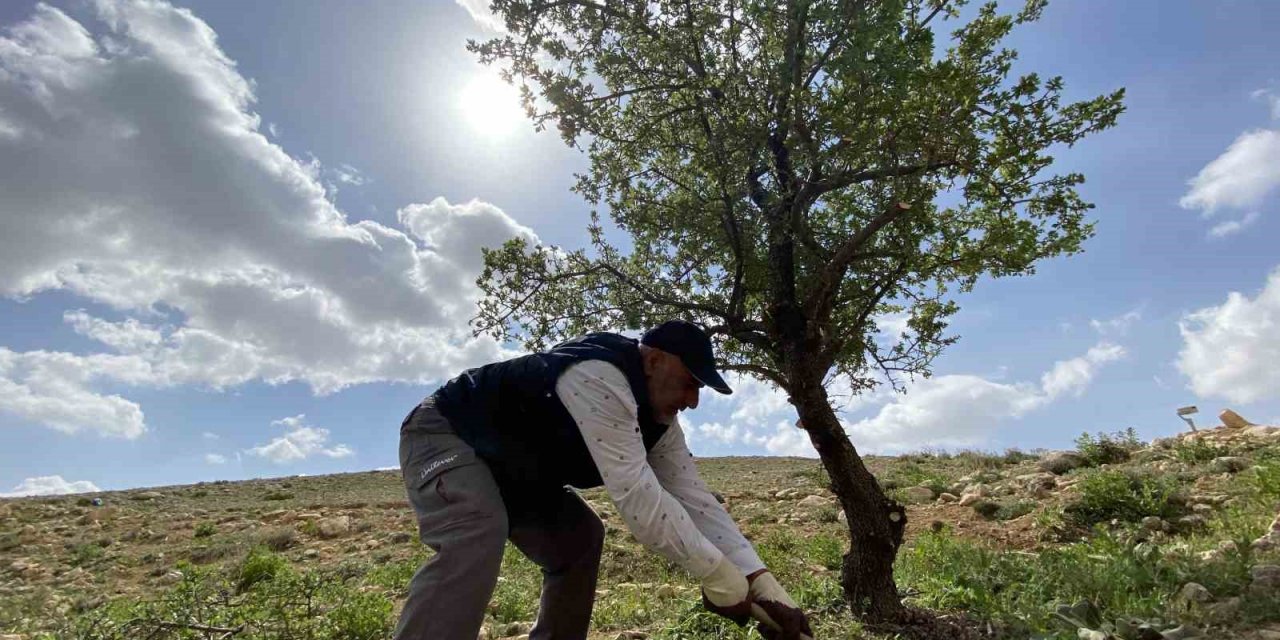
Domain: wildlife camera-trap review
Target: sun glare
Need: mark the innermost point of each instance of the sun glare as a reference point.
(491, 106)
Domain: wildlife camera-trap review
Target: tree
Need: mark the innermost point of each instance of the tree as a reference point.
(788, 172)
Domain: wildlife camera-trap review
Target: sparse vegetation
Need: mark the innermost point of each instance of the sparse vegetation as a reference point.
(1196, 451)
(278, 538)
(205, 529)
(1013, 569)
(1107, 448)
(1124, 495)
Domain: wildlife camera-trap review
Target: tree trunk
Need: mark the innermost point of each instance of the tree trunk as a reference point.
(876, 523)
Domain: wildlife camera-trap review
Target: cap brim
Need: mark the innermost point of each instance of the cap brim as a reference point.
(711, 378)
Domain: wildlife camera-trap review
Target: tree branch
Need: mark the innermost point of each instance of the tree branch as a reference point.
(819, 302)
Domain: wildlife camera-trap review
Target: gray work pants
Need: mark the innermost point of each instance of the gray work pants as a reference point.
(461, 515)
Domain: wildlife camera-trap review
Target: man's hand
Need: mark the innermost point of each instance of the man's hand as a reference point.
(780, 617)
(725, 592)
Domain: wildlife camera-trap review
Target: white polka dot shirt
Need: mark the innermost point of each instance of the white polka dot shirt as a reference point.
(659, 495)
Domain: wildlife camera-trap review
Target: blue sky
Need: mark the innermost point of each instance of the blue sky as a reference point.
(238, 239)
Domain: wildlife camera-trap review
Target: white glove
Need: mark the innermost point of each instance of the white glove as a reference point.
(725, 586)
(774, 608)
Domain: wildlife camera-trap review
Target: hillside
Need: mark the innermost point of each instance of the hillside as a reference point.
(998, 540)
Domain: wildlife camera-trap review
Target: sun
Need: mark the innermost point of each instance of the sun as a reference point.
(491, 106)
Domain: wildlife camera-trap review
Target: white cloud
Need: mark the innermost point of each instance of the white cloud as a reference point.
(964, 410)
(1232, 350)
(134, 175)
(52, 389)
(1118, 325)
(726, 434)
(1271, 98)
(479, 10)
(209, 435)
(299, 443)
(129, 335)
(1231, 227)
(1073, 376)
(215, 458)
(787, 440)
(893, 324)
(945, 411)
(1239, 178)
(348, 174)
(49, 486)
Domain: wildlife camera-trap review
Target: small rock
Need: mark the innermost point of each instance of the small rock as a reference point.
(1193, 593)
(841, 517)
(632, 635)
(917, 495)
(311, 553)
(1152, 523)
(1183, 632)
(1265, 579)
(1261, 433)
(1202, 508)
(1229, 464)
(814, 502)
(1225, 611)
(666, 591)
(1091, 634)
(1192, 521)
(1059, 462)
(335, 527)
(968, 499)
(1271, 539)
(978, 489)
(948, 497)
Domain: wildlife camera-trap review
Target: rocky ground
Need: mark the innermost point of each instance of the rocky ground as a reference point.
(67, 556)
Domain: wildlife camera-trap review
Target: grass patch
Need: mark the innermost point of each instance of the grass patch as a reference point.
(1107, 448)
(1126, 496)
(85, 554)
(1197, 451)
(1021, 591)
(277, 495)
(205, 529)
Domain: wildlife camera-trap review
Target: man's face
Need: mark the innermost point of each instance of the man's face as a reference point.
(671, 387)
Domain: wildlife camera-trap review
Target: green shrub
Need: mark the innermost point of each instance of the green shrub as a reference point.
(277, 495)
(205, 554)
(1107, 448)
(1267, 479)
(85, 554)
(278, 538)
(261, 565)
(1197, 451)
(205, 529)
(1125, 496)
(1017, 456)
(1014, 510)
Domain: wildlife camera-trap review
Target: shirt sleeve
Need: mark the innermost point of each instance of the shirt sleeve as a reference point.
(599, 398)
(673, 464)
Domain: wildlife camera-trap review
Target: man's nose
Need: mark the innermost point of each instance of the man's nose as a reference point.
(693, 404)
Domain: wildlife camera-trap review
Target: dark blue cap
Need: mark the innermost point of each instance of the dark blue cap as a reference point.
(690, 343)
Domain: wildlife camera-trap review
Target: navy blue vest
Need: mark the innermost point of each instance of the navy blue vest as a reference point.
(510, 414)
